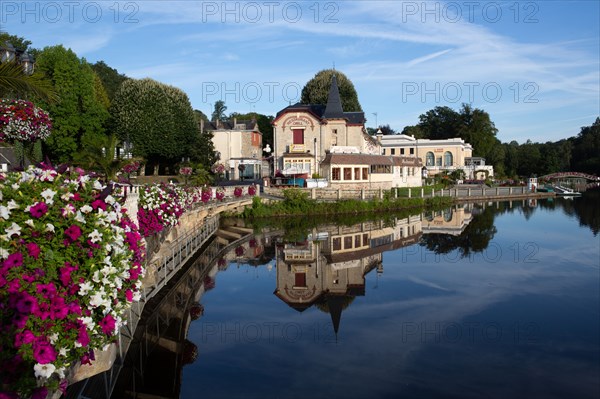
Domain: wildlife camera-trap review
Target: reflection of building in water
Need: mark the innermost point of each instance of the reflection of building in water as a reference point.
(449, 221)
(330, 272)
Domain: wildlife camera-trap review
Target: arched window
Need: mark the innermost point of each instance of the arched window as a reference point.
(429, 159)
(448, 161)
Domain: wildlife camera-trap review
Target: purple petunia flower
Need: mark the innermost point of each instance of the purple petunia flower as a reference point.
(43, 352)
(38, 210)
(73, 232)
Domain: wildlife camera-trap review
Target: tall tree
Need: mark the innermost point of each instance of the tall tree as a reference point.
(219, 111)
(157, 119)
(80, 110)
(110, 77)
(316, 90)
(586, 149)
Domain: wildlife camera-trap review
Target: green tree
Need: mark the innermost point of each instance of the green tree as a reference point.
(79, 111)
(219, 111)
(586, 149)
(110, 77)
(157, 119)
(414, 131)
(316, 90)
(264, 125)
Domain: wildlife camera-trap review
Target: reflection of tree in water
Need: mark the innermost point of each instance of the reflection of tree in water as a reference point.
(475, 238)
(585, 208)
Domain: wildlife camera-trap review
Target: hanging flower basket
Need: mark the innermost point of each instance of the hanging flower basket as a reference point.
(206, 194)
(20, 120)
(239, 251)
(251, 190)
(238, 192)
(196, 310)
(220, 194)
(209, 283)
(71, 264)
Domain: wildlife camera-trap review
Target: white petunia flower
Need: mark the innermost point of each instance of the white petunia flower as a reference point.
(49, 228)
(98, 185)
(62, 352)
(53, 338)
(14, 229)
(12, 205)
(95, 236)
(29, 223)
(86, 209)
(44, 370)
(84, 288)
(4, 212)
(48, 196)
(79, 217)
(66, 196)
(3, 253)
(15, 186)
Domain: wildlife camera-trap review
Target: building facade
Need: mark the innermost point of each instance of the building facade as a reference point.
(437, 155)
(239, 144)
(308, 139)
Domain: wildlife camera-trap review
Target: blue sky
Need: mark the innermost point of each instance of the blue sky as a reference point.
(534, 66)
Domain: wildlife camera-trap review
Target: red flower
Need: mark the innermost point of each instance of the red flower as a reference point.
(108, 324)
(33, 249)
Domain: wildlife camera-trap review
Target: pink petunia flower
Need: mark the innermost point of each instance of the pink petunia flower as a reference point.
(33, 249)
(38, 210)
(43, 352)
(73, 232)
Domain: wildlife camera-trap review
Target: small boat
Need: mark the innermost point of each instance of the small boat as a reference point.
(564, 191)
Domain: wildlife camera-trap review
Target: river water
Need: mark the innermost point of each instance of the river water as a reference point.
(495, 300)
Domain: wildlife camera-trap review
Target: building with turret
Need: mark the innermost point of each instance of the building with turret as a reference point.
(323, 139)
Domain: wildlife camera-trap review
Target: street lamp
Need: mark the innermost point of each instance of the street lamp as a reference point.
(27, 62)
(7, 53)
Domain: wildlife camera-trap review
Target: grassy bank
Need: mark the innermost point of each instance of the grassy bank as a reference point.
(297, 203)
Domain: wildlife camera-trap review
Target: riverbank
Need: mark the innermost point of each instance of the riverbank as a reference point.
(327, 202)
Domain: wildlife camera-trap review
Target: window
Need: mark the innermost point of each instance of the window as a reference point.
(298, 136)
(347, 173)
(448, 161)
(365, 239)
(393, 151)
(412, 151)
(438, 161)
(383, 151)
(357, 241)
(381, 169)
(337, 244)
(300, 280)
(365, 173)
(401, 151)
(356, 173)
(348, 242)
(335, 174)
(401, 169)
(429, 159)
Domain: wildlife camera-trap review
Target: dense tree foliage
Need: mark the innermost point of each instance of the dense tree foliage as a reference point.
(316, 90)
(264, 125)
(110, 77)
(157, 119)
(80, 109)
(586, 149)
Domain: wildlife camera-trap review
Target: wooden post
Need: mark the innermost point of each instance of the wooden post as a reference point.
(313, 193)
(422, 193)
(409, 192)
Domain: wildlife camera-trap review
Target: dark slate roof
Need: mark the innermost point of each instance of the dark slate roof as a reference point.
(367, 159)
(334, 109)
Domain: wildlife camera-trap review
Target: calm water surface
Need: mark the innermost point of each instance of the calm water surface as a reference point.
(481, 301)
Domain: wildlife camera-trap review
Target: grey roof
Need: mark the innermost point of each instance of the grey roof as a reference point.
(229, 125)
(334, 109)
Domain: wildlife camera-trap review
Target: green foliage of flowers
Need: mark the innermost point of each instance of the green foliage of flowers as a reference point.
(71, 264)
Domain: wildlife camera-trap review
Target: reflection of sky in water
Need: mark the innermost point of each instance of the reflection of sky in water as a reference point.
(498, 324)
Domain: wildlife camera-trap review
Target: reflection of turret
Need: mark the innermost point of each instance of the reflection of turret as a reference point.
(330, 273)
(449, 221)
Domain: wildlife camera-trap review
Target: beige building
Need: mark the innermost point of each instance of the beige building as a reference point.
(437, 155)
(308, 139)
(239, 144)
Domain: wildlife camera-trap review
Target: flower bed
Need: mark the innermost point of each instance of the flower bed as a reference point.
(72, 263)
(21, 120)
